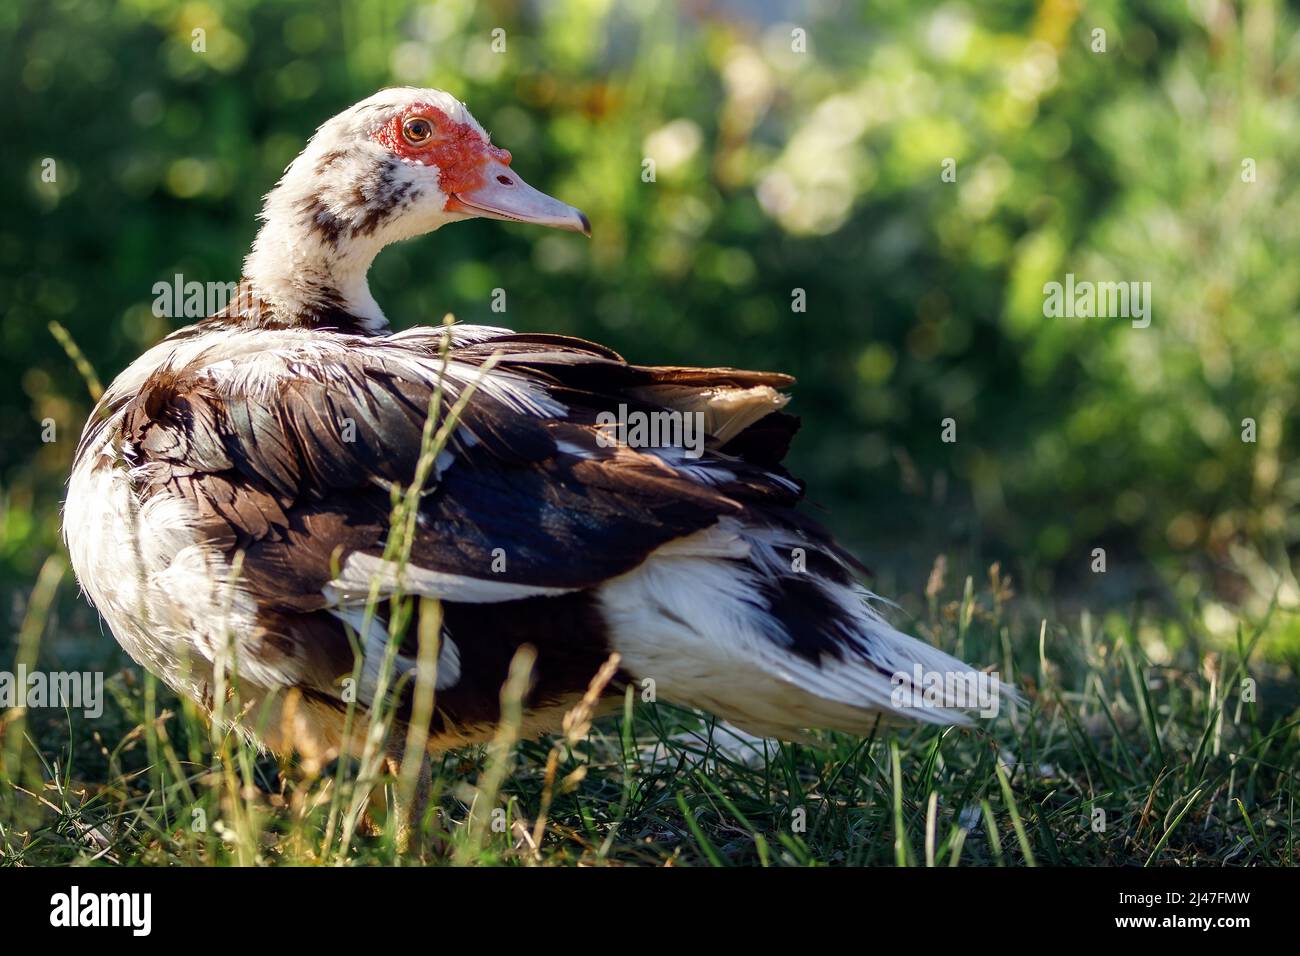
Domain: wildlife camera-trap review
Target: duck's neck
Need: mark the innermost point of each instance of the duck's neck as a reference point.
(308, 266)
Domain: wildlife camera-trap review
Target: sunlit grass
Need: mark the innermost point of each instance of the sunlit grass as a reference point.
(1112, 761)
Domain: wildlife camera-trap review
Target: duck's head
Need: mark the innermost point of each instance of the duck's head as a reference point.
(396, 165)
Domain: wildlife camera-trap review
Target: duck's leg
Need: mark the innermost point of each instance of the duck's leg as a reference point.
(366, 823)
(409, 809)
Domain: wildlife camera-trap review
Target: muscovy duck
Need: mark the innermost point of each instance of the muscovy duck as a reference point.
(232, 492)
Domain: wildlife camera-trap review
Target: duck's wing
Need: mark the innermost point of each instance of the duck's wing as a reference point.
(291, 454)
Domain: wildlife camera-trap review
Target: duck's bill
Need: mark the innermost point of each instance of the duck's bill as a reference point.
(505, 196)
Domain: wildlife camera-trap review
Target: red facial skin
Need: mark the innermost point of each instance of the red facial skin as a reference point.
(457, 149)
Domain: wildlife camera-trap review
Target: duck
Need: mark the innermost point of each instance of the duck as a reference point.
(231, 507)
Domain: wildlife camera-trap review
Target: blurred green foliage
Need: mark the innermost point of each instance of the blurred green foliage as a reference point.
(775, 171)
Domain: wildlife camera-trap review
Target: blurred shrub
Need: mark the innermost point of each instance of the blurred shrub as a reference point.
(776, 171)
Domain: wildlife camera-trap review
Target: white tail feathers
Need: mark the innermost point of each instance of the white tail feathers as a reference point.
(706, 630)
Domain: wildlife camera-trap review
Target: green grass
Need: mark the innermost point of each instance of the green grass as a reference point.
(1113, 760)
(1140, 742)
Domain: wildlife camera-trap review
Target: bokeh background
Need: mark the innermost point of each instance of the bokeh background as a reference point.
(776, 170)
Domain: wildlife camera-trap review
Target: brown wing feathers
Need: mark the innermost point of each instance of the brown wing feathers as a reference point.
(296, 473)
(299, 477)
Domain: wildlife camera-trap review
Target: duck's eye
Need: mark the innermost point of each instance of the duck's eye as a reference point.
(417, 131)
